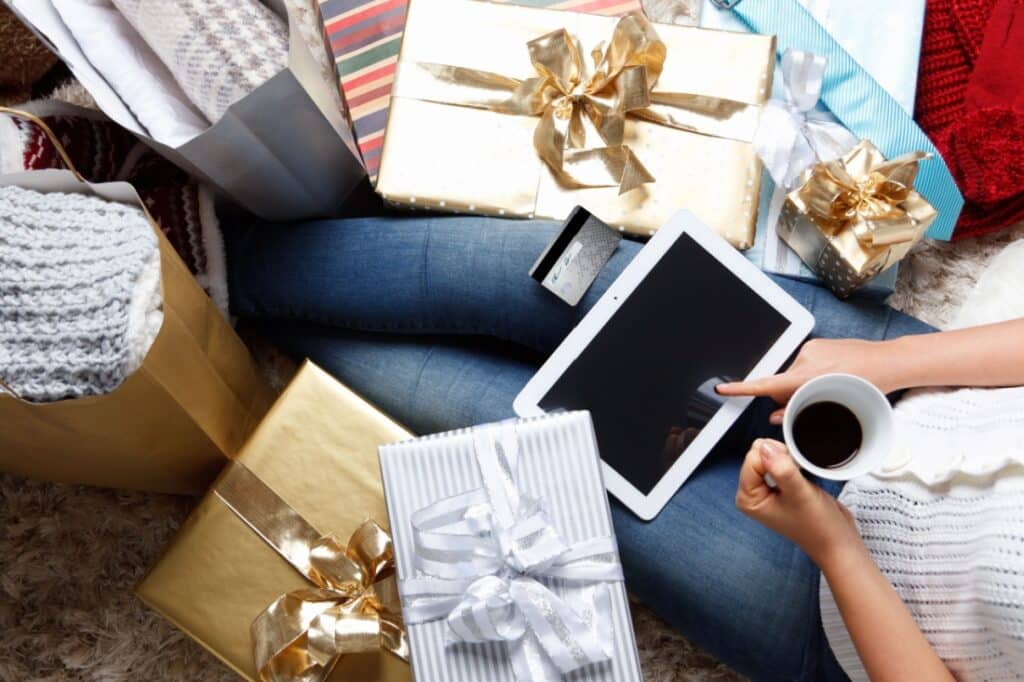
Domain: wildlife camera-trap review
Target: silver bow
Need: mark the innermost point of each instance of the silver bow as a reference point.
(487, 561)
(793, 135)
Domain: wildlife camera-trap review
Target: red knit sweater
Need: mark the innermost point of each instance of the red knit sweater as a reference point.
(970, 101)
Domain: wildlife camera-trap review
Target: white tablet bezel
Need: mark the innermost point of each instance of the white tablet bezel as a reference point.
(801, 323)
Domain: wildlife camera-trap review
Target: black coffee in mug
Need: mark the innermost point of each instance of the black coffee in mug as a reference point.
(828, 434)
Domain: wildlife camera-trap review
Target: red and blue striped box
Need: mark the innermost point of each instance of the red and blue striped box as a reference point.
(365, 37)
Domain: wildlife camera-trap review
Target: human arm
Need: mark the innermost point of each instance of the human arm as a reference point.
(888, 641)
(989, 355)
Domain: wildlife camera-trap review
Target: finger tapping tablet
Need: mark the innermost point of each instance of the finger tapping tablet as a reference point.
(687, 314)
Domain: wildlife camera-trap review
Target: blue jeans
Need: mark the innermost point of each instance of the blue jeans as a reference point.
(435, 320)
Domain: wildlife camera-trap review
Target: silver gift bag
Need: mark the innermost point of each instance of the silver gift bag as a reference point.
(284, 152)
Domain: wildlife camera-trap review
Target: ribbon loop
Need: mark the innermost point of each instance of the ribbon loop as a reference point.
(500, 595)
(352, 606)
(868, 195)
(575, 101)
(793, 135)
(356, 610)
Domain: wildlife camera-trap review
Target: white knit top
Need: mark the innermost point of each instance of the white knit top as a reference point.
(945, 523)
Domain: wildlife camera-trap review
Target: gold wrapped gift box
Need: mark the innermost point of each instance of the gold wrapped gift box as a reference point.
(475, 126)
(853, 218)
(317, 450)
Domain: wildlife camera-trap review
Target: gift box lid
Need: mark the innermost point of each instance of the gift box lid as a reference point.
(317, 449)
(445, 149)
(559, 466)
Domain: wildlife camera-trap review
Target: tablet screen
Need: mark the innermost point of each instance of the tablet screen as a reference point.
(648, 376)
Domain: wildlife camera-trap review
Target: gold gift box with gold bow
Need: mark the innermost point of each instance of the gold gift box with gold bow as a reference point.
(518, 111)
(251, 574)
(852, 218)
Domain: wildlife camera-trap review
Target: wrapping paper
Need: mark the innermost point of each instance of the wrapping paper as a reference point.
(855, 216)
(559, 465)
(172, 424)
(889, 49)
(317, 450)
(462, 159)
(365, 36)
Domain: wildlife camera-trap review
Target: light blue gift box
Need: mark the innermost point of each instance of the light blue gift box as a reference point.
(888, 48)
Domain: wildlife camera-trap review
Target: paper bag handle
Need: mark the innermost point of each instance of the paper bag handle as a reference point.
(53, 140)
(4, 388)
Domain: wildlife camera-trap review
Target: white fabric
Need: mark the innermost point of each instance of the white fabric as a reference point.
(944, 520)
(218, 50)
(997, 295)
(133, 70)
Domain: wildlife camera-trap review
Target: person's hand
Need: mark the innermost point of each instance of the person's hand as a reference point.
(796, 508)
(866, 359)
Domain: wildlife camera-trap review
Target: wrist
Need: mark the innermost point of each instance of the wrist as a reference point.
(840, 555)
(897, 360)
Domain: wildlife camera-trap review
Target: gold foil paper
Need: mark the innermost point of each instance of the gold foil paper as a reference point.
(692, 135)
(351, 606)
(317, 450)
(852, 218)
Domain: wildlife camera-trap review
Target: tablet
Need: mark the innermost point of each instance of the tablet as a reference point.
(688, 313)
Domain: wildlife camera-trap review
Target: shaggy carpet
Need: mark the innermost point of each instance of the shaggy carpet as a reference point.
(70, 555)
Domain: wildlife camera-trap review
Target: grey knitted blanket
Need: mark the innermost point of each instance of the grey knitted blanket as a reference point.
(80, 298)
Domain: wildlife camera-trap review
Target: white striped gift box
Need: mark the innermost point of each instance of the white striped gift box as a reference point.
(559, 465)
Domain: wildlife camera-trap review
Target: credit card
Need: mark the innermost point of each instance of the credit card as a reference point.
(571, 263)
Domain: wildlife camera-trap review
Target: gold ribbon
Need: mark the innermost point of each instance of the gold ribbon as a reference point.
(574, 102)
(863, 193)
(353, 606)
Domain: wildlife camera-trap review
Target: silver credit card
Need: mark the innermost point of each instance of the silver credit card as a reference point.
(571, 263)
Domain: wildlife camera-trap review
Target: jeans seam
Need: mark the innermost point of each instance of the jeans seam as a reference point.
(419, 375)
(427, 304)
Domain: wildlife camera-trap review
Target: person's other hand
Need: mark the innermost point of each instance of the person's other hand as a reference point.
(796, 508)
(866, 359)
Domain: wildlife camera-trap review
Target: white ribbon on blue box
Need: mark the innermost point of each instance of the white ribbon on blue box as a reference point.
(507, 562)
(888, 48)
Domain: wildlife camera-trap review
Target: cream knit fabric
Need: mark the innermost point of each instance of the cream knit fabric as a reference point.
(953, 547)
(944, 520)
(218, 50)
(80, 300)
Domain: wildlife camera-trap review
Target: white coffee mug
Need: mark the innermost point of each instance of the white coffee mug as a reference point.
(867, 403)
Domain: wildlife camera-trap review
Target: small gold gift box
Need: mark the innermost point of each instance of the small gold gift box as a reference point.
(852, 218)
(250, 574)
(527, 112)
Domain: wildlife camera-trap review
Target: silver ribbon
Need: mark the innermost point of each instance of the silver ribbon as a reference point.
(793, 135)
(487, 561)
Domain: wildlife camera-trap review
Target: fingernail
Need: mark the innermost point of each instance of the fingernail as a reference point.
(770, 449)
(775, 419)
(719, 387)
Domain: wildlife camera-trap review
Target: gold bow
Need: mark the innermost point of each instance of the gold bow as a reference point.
(867, 195)
(354, 604)
(354, 609)
(572, 100)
